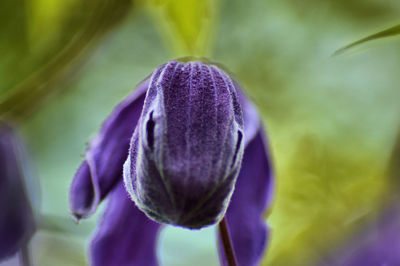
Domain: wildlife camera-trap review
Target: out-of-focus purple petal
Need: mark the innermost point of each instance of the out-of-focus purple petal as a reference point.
(376, 244)
(105, 156)
(250, 200)
(125, 236)
(188, 149)
(16, 215)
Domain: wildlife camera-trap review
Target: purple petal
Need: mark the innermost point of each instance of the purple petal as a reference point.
(377, 243)
(125, 236)
(250, 116)
(188, 149)
(16, 216)
(250, 200)
(105, 156)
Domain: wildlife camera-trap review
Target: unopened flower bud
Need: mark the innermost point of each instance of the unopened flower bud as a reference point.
(187, 150)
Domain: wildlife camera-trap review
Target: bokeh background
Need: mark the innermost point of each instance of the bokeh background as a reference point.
(332, 121)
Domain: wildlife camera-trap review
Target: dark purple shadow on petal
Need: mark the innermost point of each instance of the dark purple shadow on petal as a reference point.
(16, 215)
(106, 154)
(125, 236)
(250, 200)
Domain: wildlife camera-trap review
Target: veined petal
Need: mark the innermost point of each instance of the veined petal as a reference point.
(250, 200)
(105, 156)
(125, 236)
(16, 216)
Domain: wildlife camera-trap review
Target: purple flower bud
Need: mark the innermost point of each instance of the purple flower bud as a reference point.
(192, 153)
(187, 149)
(16, 216)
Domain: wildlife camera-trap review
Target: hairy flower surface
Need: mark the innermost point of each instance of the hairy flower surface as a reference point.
(187, 149)
(16, 216)
(197, 152)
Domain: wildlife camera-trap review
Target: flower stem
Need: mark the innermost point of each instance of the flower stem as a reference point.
(24, 256)
(227, 243)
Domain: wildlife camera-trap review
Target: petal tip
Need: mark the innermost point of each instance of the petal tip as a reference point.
(76, 217)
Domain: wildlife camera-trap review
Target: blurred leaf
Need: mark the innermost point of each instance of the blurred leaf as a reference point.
(393, 31)
(13, 41)
(12, 18)
(394, 166)
(51, 77)
(64, 225)
(49, 17)
(323, 192)
(50, 249)
(187, 25)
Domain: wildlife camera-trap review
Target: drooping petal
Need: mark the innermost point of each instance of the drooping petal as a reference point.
(125, 236)
(250, 200)
(188, 149)
(16, 215)
(105, 156)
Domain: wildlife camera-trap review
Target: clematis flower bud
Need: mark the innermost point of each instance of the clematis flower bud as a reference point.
(187, 149)
(16, 216)
(197, 152)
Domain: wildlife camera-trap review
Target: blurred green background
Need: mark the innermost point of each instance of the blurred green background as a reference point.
(332, 121)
